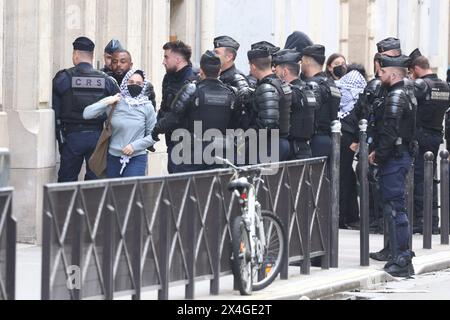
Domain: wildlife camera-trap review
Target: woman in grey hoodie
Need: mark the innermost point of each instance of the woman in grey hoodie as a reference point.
(132, 124)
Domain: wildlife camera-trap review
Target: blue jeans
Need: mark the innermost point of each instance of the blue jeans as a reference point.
(135, 168)
(78, 148)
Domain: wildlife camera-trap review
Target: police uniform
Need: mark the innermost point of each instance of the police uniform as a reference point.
(433, 97)
(393, 156)
(272, 102)
(253, 82)
(328, 99)
(303, 108)
(372, 103)
(236, 79)
(73, 90)
(209, 102)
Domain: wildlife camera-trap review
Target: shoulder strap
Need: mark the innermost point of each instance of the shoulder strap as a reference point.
(108, 122)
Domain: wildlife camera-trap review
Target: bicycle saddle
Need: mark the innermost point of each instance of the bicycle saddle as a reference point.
(239, 184)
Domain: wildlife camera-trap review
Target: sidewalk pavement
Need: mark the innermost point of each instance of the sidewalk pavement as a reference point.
(320, 283)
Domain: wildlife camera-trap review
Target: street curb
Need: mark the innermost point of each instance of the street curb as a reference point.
(424, 264)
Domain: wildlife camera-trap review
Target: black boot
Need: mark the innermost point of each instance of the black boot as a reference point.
(402, 267)
(383, 255)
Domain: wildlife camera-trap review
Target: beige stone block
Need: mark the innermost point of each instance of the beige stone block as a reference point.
(4, 135)
(33, 146)
(28, 201)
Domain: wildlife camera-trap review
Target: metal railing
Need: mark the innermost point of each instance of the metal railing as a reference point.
(7, 233)
(107, 238)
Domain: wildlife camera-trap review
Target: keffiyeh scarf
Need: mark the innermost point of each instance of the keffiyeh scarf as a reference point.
(351, 86)
(141, 99)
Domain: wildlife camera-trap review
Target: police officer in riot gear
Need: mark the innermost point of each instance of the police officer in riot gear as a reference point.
(328, 98)
(304, 103)
(208, 103)
(179, 72)
(433, 95)
(272, 101)
(73, 90)
(113, 46)
(261, 45)
(393, 156)
(370, 106)
(226, 48)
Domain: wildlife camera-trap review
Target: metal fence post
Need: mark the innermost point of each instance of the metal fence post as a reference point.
(445, 210)
(428, 200)
(4, 167)
(334, 163)
(364, 201)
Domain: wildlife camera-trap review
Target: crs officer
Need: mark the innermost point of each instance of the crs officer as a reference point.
(73, 90)
(253, 82)
(328, 98)
(272, 102)
(226, 48)
(394, 159)
(304, 103)
(208, 102)
(433, 95)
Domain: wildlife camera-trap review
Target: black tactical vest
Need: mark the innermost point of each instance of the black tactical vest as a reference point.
(304, 105)
(431, 110)
(329, 103)
(285, 104)
(213, 105)
(86, 87)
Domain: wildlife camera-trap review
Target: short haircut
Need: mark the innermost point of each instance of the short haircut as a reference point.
(124, 51)
(293, 68)
(262, 63)
(402, 72)
(231, 51)
(211, 71)
(180, 48)
(421, 62)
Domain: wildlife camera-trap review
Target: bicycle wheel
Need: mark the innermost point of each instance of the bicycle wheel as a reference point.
(274, 252)
(242, 257)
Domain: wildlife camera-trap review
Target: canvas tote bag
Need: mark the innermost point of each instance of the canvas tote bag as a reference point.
(97, 162)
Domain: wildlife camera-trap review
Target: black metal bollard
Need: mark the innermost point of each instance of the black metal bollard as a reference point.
(364, 200)
(335, 177)
(428, 200)
(410, 203)
(445, 207)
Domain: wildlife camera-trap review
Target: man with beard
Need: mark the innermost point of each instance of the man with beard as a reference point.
(177, 61)
(122, 62)
(393, 155)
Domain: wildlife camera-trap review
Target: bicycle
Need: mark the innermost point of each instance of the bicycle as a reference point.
(258, 238)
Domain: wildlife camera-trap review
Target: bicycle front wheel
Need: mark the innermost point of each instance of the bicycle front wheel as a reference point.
(274, 252)
(242, 256)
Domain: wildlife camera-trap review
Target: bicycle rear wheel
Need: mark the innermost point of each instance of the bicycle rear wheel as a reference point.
(242, 257)
(274, 253)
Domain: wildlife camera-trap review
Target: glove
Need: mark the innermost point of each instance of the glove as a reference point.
(155, 136)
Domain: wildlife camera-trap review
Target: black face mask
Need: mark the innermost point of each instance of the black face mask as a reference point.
(134, 90)
(340, 71)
